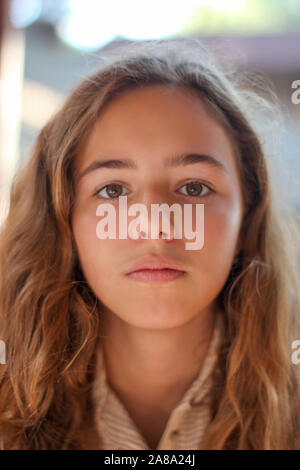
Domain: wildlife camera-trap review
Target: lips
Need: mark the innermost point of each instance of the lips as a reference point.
(155, 263)
(155, 270)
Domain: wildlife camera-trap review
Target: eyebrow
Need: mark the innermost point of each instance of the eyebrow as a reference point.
(171, 162)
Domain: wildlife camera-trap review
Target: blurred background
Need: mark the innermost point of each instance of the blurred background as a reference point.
(48, 46)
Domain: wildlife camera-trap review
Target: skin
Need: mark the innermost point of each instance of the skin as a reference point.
(157, 335)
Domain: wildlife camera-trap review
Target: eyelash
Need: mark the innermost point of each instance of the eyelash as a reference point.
(185, 184)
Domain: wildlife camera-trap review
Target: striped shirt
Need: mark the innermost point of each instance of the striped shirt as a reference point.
(187, 422)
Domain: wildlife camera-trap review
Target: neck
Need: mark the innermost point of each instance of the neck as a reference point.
(158, 365)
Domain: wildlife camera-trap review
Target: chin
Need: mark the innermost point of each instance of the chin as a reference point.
(160, 318)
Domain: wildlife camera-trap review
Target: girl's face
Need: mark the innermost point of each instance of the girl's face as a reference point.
(147, 127)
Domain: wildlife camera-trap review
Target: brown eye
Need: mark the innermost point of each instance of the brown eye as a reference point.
(112, 191)
(195, 189)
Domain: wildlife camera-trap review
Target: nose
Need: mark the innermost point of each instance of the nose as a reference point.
(156, 218)
(167, 235)
(159, 226)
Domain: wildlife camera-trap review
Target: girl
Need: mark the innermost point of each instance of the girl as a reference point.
(140, 343)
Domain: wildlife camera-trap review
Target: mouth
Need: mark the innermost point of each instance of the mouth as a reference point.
(155, 270)
(156, 275)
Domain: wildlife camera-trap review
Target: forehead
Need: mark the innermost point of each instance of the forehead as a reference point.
(155, 122)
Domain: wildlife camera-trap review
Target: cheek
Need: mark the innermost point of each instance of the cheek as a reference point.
(84, 232)
(212, 264)
(90, 248)
(98, 258)
(221, 230)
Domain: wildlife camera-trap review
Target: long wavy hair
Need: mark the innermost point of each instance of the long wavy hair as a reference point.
(50, 319)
